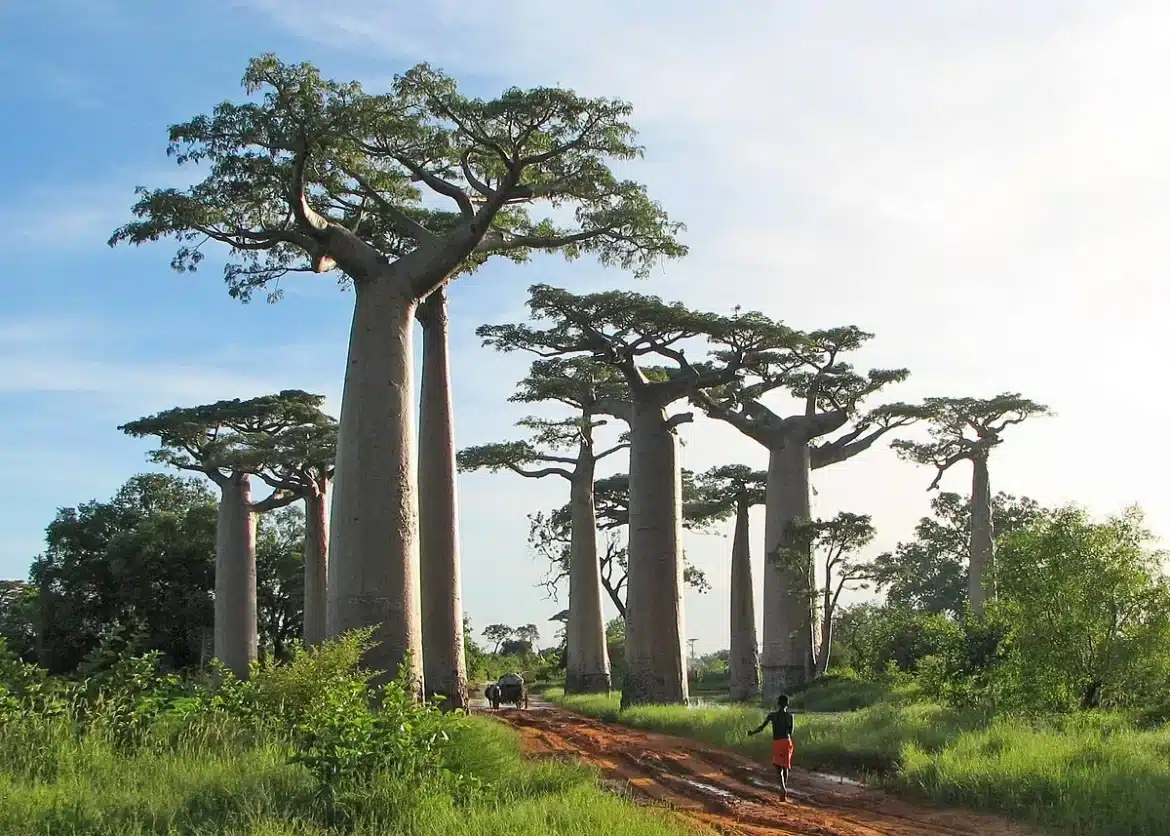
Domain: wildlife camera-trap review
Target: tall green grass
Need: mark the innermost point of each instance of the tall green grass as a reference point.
(54, 781)
(1091, 775)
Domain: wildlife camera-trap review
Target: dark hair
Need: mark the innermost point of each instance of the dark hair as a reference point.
(782, 701)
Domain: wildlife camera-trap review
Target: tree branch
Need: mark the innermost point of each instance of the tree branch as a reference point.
(437, 184)
(623, 446)
(540, 474)
(681, 418)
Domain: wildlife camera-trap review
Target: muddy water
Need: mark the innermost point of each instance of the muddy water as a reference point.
(729, 793)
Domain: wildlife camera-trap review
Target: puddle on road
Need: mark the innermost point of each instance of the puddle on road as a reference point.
(837, 779)
(708, 788)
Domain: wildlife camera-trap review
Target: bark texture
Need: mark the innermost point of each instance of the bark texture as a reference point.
(655, 632)
(373, 541)
(235, 576)
(587, 657)
(744, 658)
(444, 668)
(980, 583)
(787, 651)
(316, 553)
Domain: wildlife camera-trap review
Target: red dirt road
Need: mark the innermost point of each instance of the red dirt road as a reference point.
(729, 793)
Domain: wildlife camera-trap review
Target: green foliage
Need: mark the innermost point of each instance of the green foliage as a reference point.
(18, 617)
(1088, 608)
(720, 490)
(929, 573)
(315, 160)
(870, 639)
(966, 428)
(284, 438)
(280, 580)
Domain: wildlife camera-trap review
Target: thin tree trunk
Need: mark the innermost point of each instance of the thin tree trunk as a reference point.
(587, 656)
(744, 657)
(235, 576)
(787, 629)
(316, 555)
(823, 654)
(373, 538)
(655, 631)
(444, 668)
(980, 577)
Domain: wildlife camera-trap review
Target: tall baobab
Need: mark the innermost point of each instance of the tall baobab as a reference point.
(830, 393)
(315, 176)
(225, 442)
(968, 429)
(565, 448)
(621, 329)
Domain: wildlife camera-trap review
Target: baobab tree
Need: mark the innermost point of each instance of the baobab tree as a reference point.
(836, 542)
(318, 176)
(620, 329)
(830, 392)
(583, 385)
(444, 663)
(550, 536)
(732, 490)
(227, 441)
(299, 461)
(968, 429)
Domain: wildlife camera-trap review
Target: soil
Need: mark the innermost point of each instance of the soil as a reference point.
(730, 793)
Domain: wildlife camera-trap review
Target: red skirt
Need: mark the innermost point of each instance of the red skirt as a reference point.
(782, 754)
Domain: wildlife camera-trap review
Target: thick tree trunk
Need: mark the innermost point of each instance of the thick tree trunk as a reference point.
(980, 580)
(235, 577)
(655, 631)
(744, 658)
(587, 657)
(444, 668)
(373, 538)
(316, 553)
(787, 642)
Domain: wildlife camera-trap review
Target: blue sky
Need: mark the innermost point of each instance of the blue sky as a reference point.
(982, 183)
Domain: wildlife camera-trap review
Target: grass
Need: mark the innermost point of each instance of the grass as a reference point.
(52, 782)
(1090, 774)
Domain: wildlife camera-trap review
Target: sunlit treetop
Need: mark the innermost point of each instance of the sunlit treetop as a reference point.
(283, 438)
(311, 174)
(811, 368)
(578, 382)
(966, 428)
(625, 330)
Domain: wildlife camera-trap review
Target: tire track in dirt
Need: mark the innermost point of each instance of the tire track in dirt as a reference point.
(730, 793)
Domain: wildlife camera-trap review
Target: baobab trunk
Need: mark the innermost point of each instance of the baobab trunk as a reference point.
(744, 658)
(316, 552)
(444, 669)
(655, 632)
(373, 538)
(587, 657)
(980, 580)
(235, 576)
(787, 606)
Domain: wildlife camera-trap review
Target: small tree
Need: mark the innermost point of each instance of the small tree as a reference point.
(497, 634)
(830, 392)
(836, 542)
(725, 491)
(318, 175)
(229, 441)
(968, 429)
(621, 329)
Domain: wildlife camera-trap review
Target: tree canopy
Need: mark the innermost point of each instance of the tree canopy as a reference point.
(311, 174)
(620, 328)
(284, 439)
(966, 428)
(810, 366)
(719, 490)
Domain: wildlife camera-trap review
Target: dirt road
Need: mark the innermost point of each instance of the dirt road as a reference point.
(730, 793)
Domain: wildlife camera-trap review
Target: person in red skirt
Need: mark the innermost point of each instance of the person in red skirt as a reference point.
(782, 744)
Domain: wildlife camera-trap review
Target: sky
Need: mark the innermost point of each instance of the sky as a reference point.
(982, 184)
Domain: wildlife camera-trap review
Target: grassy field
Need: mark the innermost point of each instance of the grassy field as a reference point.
(51, 782)
(1095, 775)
